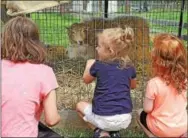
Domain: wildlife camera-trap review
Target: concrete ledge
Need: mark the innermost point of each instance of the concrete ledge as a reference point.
(71, 118)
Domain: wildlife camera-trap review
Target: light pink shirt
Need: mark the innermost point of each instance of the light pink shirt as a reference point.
(169, 115)
(24, 86)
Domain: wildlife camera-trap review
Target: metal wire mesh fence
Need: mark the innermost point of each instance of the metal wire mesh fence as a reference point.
(62, 26)
(163, 16)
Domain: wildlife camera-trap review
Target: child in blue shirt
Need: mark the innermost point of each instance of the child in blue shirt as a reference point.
(111, 106)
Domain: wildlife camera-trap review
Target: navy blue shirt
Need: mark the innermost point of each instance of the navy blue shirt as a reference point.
(112, 91)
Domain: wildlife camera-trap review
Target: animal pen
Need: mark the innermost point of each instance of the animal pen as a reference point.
(67, 28)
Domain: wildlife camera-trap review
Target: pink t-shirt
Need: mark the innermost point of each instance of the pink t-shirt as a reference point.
(169, 115)
(24, 86)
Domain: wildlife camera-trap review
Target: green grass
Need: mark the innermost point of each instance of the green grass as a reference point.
(87, 133)
(166, 14)
(53, 27)
(162, 14)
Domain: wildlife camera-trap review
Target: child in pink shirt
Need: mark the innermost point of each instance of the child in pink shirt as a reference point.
(165, 102)
(28, 86)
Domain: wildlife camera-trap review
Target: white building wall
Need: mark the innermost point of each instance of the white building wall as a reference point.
(77, 6)
(112, 6)
(93, 6)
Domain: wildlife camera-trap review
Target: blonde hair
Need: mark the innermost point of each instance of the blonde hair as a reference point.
(169, 60)
(120, 42)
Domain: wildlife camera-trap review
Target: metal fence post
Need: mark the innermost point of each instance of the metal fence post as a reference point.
(106, 9)
(181, 18)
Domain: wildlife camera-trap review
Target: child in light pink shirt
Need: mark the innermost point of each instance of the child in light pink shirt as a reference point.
(165, 102)
(28, 86)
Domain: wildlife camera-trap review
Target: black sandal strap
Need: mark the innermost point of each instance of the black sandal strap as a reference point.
(96, 129)
(97, 133)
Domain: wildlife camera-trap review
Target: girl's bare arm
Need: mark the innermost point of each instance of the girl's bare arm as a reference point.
(133, 83)
(148, 105)
(87, 78)
(51, 114)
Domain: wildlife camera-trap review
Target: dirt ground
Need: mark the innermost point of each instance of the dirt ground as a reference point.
(72, 90)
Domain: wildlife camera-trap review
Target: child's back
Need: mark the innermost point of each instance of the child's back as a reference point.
(169, 115)
(113, 88)
(24, 86)
(28, 86)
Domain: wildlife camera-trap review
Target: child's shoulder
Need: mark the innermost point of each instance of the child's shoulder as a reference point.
(157, 81)
(96, 62)
(44, 67)
(131, 67)
(41, 68)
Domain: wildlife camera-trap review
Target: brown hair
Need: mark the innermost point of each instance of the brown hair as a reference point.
(169, 60)
(20, 41)
(120, 41)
